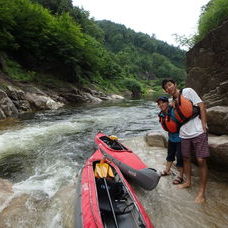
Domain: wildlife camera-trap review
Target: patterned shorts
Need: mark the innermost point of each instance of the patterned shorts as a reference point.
(199, 145)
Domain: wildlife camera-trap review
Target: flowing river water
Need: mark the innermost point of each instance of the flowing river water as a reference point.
(41, 157)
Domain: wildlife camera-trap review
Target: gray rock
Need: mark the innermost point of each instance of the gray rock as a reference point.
(7, 107)
(92, 99)
(217, 119)
(155, 139)
(41, 102)
(218, 146)
(116, 97)
(18, 98)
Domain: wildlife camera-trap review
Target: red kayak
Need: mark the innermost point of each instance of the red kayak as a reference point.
(128, 162)
(107, 201)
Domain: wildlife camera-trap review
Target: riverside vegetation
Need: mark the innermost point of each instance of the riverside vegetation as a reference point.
(53, 43)
(52, 40)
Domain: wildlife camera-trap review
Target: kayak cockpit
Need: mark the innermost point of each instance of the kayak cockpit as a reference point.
(123, 211)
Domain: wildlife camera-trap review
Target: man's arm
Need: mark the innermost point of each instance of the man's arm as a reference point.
(203, 116)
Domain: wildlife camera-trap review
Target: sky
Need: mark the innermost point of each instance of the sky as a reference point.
(160, 17)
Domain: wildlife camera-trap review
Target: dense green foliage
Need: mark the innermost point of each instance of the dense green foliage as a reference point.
(53, 37)
(214, 13)
(141, 55)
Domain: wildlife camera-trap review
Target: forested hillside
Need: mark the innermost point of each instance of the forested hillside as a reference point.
(52, 39)
(142, 55)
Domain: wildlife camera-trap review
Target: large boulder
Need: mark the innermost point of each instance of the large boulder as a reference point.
(7, 107)
(41, 102)
(218, 146)
(18, 98)
(155, 139)
(217, 119)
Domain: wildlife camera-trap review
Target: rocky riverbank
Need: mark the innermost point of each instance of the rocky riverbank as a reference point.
(21, 97)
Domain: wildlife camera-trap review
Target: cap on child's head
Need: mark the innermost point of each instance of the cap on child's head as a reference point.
(163, 98)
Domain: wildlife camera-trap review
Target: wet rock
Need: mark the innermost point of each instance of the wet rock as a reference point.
(15, 211)
(217, 119)
(73, 98)
(156, 139)
(7, 107)
(27, 210)
(5, 190)
(67, 199)
(218, 146)
(18, 98)
(41, 102)
(24, 97)
(91, 99)
(116, 97)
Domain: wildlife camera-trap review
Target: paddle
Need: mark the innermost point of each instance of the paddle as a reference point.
(103, 170)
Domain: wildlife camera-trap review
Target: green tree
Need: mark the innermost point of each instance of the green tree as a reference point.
(213, 14)
(134, 86)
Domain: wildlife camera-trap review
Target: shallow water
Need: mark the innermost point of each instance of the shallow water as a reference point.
(175, 208)
(40, 158)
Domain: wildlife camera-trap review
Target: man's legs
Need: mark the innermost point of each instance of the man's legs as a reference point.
(186, 147)
(201, 148)
(200, 198)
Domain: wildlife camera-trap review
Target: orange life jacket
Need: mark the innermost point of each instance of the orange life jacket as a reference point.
(184, 109)
(168, 121)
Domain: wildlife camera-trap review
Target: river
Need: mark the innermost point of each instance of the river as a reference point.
(41, 156)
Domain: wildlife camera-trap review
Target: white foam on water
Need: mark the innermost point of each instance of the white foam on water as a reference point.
(48, 182)
(25, 140)
(56, 221)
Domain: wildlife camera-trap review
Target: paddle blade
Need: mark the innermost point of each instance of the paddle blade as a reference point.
(103, 170)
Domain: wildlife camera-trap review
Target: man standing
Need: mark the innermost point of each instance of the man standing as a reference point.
(194, 137)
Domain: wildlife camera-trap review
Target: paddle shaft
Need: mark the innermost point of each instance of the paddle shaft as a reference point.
(110, 201)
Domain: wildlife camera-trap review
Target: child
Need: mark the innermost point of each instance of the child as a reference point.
(170, 124)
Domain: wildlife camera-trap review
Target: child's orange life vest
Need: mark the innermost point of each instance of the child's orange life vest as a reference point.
(168, 121)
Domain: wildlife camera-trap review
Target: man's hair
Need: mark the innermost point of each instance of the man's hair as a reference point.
(165, 81)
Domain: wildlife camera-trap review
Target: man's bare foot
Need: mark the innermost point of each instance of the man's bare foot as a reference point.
(184, 185)
(200, 198)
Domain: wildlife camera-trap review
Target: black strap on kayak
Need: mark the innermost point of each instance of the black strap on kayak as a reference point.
(110, 202)
(101, 171)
